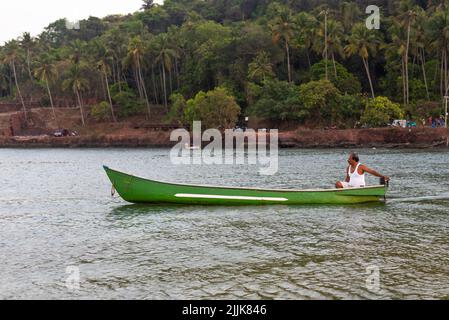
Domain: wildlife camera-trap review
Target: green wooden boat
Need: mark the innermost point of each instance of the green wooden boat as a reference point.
(138, 190)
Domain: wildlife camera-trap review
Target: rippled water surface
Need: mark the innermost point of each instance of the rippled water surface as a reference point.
(56, 212)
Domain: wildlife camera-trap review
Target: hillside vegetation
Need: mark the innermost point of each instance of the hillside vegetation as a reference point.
(308, 61)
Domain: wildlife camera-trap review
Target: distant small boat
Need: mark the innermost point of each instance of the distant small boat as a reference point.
(138, 190)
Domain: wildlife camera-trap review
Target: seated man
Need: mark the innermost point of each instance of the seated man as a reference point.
(355, 175)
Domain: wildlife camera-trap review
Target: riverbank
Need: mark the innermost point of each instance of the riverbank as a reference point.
(353, 138)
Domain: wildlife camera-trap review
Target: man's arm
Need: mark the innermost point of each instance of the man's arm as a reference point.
(374, 172)
(347, 175)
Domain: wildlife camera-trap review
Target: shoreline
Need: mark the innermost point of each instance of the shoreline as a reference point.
(390, 138)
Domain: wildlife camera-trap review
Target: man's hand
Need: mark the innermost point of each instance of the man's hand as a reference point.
(386, 178)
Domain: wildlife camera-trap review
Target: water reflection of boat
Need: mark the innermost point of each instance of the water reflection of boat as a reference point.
(138, 190)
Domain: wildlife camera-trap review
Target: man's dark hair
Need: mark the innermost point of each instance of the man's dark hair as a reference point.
(355, 157)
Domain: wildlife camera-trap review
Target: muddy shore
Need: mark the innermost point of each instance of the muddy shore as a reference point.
(354, 138)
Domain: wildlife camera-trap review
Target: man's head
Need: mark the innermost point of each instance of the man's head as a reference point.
(353, 159)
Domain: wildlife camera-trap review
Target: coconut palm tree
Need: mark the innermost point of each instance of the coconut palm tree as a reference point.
(438, 35)
(397, 47)
(325, 12)
(307, 28)
(147, 4)
(282, 30)
(421, 43)
(334, 45)
(349, 13)
(77, 83)
(103, 61)
(11, 56)
(27, 43)
(46, 72)
(406, 19)
(363, 42)
(136, 51)
(114, 40)
(165, 56)
(261, 68)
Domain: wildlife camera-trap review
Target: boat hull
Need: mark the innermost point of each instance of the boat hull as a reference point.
(138, 190)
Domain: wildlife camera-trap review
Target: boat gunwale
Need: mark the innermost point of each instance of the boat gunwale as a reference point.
(247, 188)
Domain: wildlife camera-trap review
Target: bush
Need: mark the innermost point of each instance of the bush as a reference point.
(345, 81)
(215, 109)
(275, 100)
(101, 111)
(380, 112)
(350, 109)
(177, 109)
(320, 100)
(126, 101)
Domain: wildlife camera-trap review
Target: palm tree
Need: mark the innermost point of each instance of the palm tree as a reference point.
(438, 35)
(406, 19)
(47, 72)
(421, 43)
(325, 12)
(77, 83)
(334, 44)
(27, 43)
(103, 61)
(77, 48)
(11, 56)
(115, 43)
(147, 4)
(136, 51)
(282, 30)
(307, 26)
(349, 13)
(164, 56)
(397, 47)
(261, 67)
(363, 42)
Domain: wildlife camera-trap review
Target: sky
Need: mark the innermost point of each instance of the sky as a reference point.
(19, 16)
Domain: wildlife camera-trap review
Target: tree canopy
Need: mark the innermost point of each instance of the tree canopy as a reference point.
(282, 60)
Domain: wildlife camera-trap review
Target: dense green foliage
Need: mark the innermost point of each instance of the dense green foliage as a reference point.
(311, 61)
(380, 112)
(215, 109)
(275, 99)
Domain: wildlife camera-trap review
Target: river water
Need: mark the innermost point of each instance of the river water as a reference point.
(58, 221)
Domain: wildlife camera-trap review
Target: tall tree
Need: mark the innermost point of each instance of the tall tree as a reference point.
(334, 42)
(307, 28)
(438, 34)
(282, 30)
(46, 72)
(406, 18)
(421, 45)
(165, 56)
(325, 13)
(77, 83)
(11, 56)
(103, 61)
(260, 68)
(363, 42)
(147, 4)
(27, 43)
(136, 52)
(348, 14)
